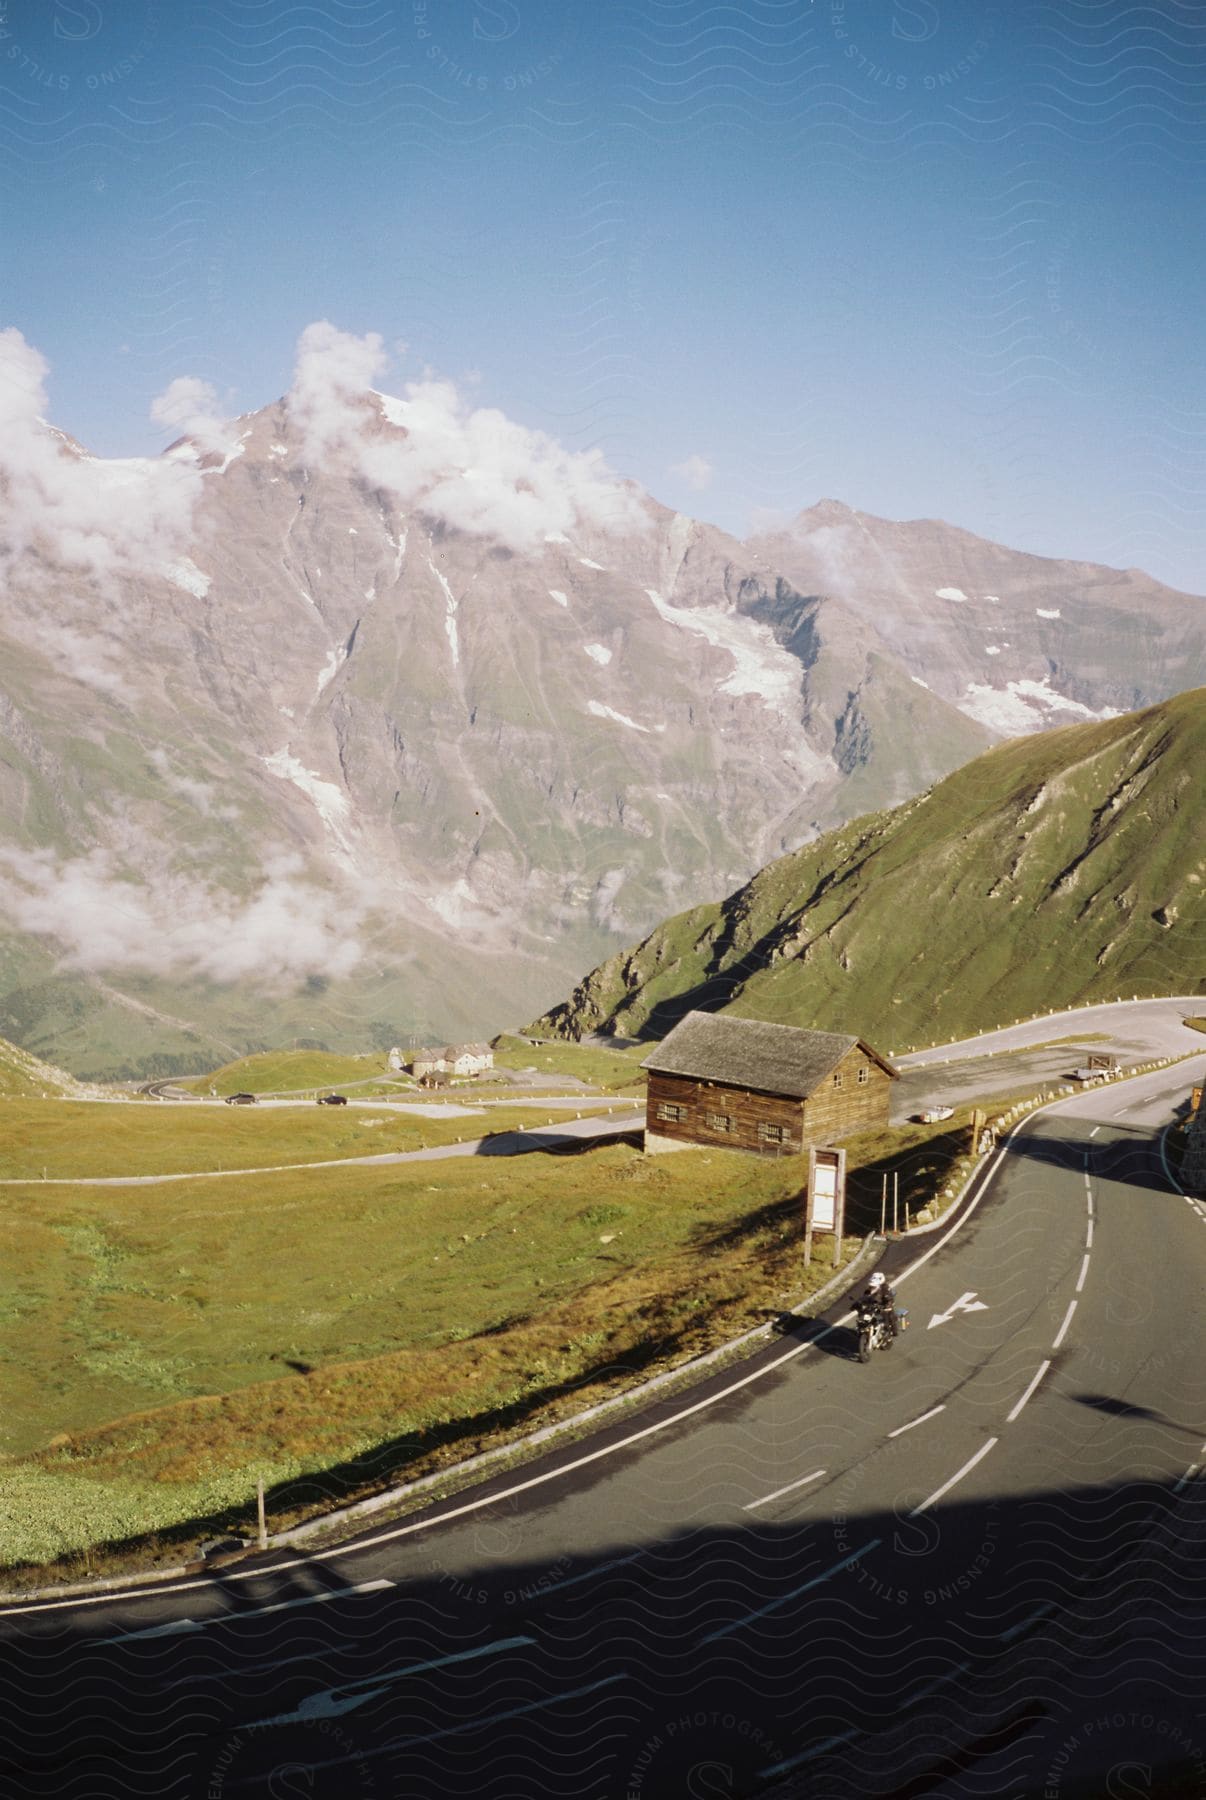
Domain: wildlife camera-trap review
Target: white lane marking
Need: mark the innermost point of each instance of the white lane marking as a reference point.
(793, 1762)
(1089, 1235)
(1040, 1612)
(779, 1492)
(331, 1703)
(946, 1487)
(952, 1674)
(1043, 1367)
(965, 1303)
(1084, 1270)
(588, 1574)
(360, 1755)
(1094, 1131)
(1188, 1476)
(794, 1594)
(251, 1612)
(1059, 1336)
(153, 1631)
(933, 1412)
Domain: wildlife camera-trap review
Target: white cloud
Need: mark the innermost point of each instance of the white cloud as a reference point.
(78, 510)
(190, 407)
(473, 469)
(696, 471)
(176, 925)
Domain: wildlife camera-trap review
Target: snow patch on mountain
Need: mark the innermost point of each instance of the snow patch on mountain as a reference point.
(1023, 706)
(607, 712)
(761, 665)
(588, 564)
(330, 802)
(950, 593)
(1047, 612)
(599, 652)
(449, 615)
(184, 574)
(335, 661)
(557, 595)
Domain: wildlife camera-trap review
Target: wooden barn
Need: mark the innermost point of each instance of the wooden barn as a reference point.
(773, 1089)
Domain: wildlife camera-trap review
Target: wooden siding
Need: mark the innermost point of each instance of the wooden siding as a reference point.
(747, 1111)
(832, 1112)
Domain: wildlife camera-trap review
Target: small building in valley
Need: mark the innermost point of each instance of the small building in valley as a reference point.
(739, 1084)
(468, 1059)
(427, 1062)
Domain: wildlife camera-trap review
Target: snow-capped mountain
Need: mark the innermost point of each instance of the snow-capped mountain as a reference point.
(350, 735)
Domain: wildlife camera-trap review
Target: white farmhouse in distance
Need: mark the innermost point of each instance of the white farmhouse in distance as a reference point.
(452, 1059)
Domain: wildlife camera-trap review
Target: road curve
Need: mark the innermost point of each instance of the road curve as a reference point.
(973, 1567)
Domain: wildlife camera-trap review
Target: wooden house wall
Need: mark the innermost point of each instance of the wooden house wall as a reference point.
(835, 1109)
(832, 1112)
(747, 1111)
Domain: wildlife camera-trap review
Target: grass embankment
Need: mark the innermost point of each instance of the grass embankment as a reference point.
(607, 1069)
(1195, 1024)
(291, 1072)
(335, 1333)
(70, 1140)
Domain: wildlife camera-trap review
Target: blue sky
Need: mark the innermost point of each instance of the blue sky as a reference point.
(933, 259)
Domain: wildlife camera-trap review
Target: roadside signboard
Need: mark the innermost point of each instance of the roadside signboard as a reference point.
(825, 1199)
(1195, 1101)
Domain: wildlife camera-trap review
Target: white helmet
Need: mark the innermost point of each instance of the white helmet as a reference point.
(877, 1280)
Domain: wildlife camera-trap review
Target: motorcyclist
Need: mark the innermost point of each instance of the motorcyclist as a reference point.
(880, 1296)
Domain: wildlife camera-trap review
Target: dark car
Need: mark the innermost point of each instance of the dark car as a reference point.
(332, 1099)
(240, 1100)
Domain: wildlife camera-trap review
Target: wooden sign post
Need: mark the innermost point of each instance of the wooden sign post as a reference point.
(825, 1200)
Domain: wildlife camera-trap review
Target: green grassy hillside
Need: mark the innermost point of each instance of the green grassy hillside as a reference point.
(23, 1077)
(293, 1072)
(1052, 871)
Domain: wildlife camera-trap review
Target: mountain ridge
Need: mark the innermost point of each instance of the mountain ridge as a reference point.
(335, 766)
(904, 926)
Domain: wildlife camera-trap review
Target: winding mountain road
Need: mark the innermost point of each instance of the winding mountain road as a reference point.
(973, 1567)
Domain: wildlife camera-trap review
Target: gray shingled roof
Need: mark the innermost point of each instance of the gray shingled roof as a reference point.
(773, 1059)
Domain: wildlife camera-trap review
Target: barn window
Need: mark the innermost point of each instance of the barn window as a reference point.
(863, 1073)
(837, 1080)
(772, 1134)
(719, 1121)
(672, 1114)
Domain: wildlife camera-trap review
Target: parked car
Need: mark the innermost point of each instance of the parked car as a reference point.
(332, 1100)
(933, 1115)
(1087, 1074)
(240, 1100)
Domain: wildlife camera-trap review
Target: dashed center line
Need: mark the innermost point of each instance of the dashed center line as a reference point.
(1043, 1367)
(779, 1492)
(794, 1594)
(1059, 1336)
(1084, 1270)
(946, 1487)
(933, 1413)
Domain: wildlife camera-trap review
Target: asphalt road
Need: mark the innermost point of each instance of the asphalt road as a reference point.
(1012, 1061)
(973, 1567)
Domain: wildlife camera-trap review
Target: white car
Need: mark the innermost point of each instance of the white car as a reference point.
(934, 1115)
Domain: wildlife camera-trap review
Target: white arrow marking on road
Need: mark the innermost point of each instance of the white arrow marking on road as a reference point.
(965, 1303)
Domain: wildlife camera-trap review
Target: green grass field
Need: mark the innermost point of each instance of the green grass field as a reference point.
(292, 1071)
(71, 1139)
(328, 1329)
(610, 1069)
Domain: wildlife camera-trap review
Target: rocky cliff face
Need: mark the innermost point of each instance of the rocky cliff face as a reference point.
(335, 766)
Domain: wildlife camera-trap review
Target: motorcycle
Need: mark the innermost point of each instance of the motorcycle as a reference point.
(873, 1332)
